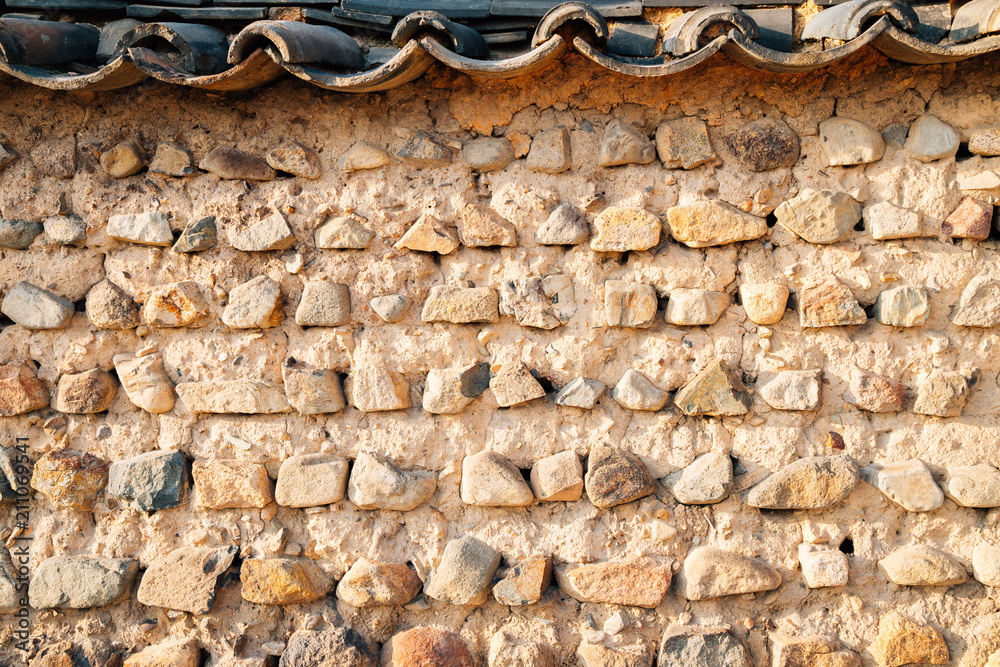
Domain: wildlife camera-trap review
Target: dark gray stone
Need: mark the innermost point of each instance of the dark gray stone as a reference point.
(79, 582)
(766, 144)
(895, 135)
(151, 481)
(18, 234)
(336, 647)
(692, 646)
(198, 235)
(422, 151)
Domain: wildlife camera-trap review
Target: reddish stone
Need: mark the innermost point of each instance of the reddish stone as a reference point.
(426, 647)
(971, 219)
(20, 390)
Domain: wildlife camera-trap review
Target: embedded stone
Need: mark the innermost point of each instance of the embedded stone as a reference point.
(597, 655)
(56, 157)
(167, 654)
(81, 582)
(18, 234)
(874, 392)
(375, 584)
(175, 305)
(70, 479)
(294, 158)
(624, 144)
(558, 477)
(480, 226)
(283, 580)
(123, 160)
(312, 391)
(35, 308)
(615, 477)
(811, 483)
(887, 221)
(820, 216)
(271, 233)
(20, 389)
(464, 575)
(423, 152)
(7, 155)
(986, 564)
(701, 646)
(198, 235)
(580, 393)
(186, 579)
(695, 307)
(971, 219)
(621, 229)
(525, 583)
(377, 390)
(711, 572)
(426, 647)
(629, 304)
(377, 483)
(765, 144)
(705, 481)
(145, 382)
(363, 155)
(942, 394)
(793, 390)
(909, 484)
(323, 304)
(333, 647)
(428, 234)
(514, 385)
(715, 391)
(172, 160)
(789, 651)
(932, 139)
(564, 226)
(490, 480)
(684, 143)
(311, 480)
(448, 391)
(540, 302)
(829, 303)
(248, 397)
(224, 484)
(764, 303)
(148, 482)
(905, 306)
(344, 232)
(920, 565)
(65, 230)
(256, 304)
(900, 641)
(639, 582)
(233, 164)
(984, 186)
(85, 393)
(979, 304)
(823, 566)
(709, 223)
(506, 651)
(488, 154)
(551, 152)
(848, 142)
(972, 486)
(391, 307)
(985, 141)
(461, 305)
(635, 392)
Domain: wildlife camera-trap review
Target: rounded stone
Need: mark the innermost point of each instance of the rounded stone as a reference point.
(766, 144)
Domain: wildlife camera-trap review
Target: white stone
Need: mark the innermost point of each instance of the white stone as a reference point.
(35, 308)
(558, 477)
(635, 392)
(448, 391)
(271, 233)
(580, 393)
(932, 139)
(823, 566)
(344, 232)
(377, 483)
(146, 228)
(376, 389)
(145, 382)
(847, 142)
(973, 486)
(986, 564)
(629, 304)
(489, 479)
(310, 480)
(909, 484)
(695, 307)
(793, 390)
(256, 304)
(887, 221)
(707, 480)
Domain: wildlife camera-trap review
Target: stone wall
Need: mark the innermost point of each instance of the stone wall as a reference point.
(582, 369)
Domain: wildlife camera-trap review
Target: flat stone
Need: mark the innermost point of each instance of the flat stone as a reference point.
(684, 143)
(542, 302)
(175, 305)
(70, 479)
(294, 158)
(507, 651)
(909, 484)
(932, 139)
(375, 584)
(312, 391)
(363, 155)
(972, 486)
(635, 392)
(711, 572)
(900, 641)
(617, 622)
(167, 654)
(311, 480)
(81, 582)
(615, 477)
(480, 226)
(823, 566)
(905, 306)
(551, 152)
(224, 484)
(811, 483)
(629, 304)
(428, 234)
(709, 223)
(820, 216)
(765, 144)
(198, 235)
(391, 307)
(448, 391)
(525, 583)
(490, 480)
(701, 646)
(639, 582)
(85, 393)
(186, 579)
(921, 565)
(256, 304)
(695, 307)
(793, 390)
(344, 232)
(981, 185)
(145, 381)
(323, 304)
(829, 303)
(424, 647)
(56, 157)
(172, 160)
(123, 160)
(423, 152)
(233, 164)
(465, 573)
(65, 230)
(986, 564)
(985, 141)
(377, 483)
(514, 385)
(715, 391)
(558, 477)
(332, 647)
(875, 393)
(706, 480)
(621, 229)
(35, 308)
(813, 651)
(271, 233)
(887, 221)
(565, 225)
(7, 156)
(580, 393)
(461, 305)
(971, 219)
(20, 389)
(596, 655)
(979, 303)
(848, 142)
(283, 580)
(376, 389)
(148, 482)
(18, 234)
(624, 144)
(488, 154)
(764, 303)
(942, 394)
